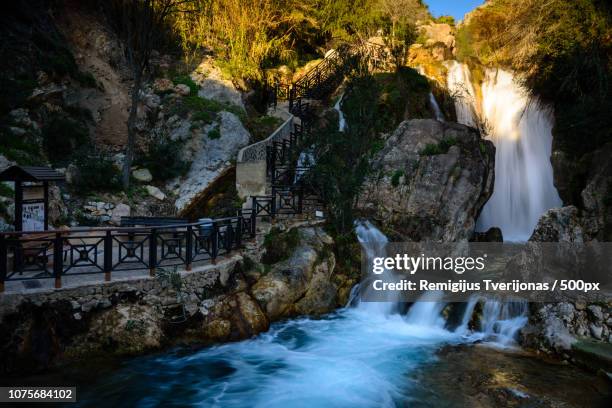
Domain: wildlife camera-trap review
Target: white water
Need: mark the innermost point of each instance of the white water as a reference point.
(521, 132)
(436, 108)
(459, 83)
(341, 119)
(360, 356)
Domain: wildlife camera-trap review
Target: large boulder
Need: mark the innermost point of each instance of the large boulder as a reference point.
(302, 284)
(430, 181)
(211, 157)
(214, 86)
(559, 225)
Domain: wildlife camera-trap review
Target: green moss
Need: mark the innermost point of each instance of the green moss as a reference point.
(279, 245)
(440, 148)
(214, 133)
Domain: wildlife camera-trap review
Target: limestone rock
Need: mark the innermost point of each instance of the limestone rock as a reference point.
(442, 192)
(142, 175)
(211, 157)
(155, 193)
(559, 225)
(182, 89)
(214, 86)
(163, 85)
(302, 283)
(120, 210)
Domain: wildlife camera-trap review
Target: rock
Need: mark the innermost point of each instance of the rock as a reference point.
(493, 234)
(4, 162)
(559, 225)
(302, 283)
(547, 333)
(155, 193)
(142, 175)
(88, 306)
(595, 331)
(163, 85)
(595, 313)
(439, 33)
(442, 193)
(182, 89)
(214, 86)
(48, 93)
(210, 157)
(120, 210)
(580, 304)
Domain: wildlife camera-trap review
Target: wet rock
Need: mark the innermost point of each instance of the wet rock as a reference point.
(302, 283)
(559, 225)
(448, 177)
(493, 234)
(595, 313)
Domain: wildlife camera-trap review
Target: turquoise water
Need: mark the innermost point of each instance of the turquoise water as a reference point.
(351, 358)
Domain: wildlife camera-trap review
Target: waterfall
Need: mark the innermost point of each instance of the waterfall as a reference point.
(459, 83)
(499, 321)
(521, 130)
(435, 107)
(341, 119)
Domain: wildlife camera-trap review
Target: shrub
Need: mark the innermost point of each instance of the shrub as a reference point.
(214, 133)
(279, 245)
(97, 172)
(440, 148)
(164, 159)
(262, 127)
(62, 136)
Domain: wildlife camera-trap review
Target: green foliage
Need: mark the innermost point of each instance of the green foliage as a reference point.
(343, 158)
(395, 178)
(186, 80)
(440, 148)
(97, 172)
(279, 245)
(62, 136)
(23, 149)
(164, 159)
(445, 20)
(14, 92)
(6, 191)
(261, 127)
(214, 133)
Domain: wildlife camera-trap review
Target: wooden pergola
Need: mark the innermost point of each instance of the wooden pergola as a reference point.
(31, 191)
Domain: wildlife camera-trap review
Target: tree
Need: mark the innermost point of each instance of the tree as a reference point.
(141, 25)
(402, 11)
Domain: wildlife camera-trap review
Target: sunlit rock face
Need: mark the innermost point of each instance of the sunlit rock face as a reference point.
(430, 181)
(211, 157)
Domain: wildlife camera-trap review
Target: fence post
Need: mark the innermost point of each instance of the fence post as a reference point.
(301, 199)
(214, 242)
(58, 259)
(108, 256)
(152, 251)
(253, 217)
(239, 232)
(273, 203)
(230, 236)
(3, 261)
(189, 244)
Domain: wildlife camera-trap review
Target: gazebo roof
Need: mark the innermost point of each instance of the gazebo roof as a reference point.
(31, 173)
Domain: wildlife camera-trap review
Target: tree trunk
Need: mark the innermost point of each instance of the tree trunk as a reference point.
(131, 125)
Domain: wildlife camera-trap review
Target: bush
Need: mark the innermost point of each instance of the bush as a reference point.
(23, 149)
(62, 136)
(440, 148)
(214, 133)
(262, 127)
(164, 160)
(97, 172)
(279, 245)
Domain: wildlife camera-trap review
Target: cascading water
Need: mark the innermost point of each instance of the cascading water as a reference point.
(521, 132)
(341, 119)
(436, 108)
(459, 83)
(359, 356)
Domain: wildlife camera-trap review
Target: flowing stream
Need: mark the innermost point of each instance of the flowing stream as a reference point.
(360, 356)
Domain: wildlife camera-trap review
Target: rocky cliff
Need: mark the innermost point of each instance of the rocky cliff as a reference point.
(430, 181)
